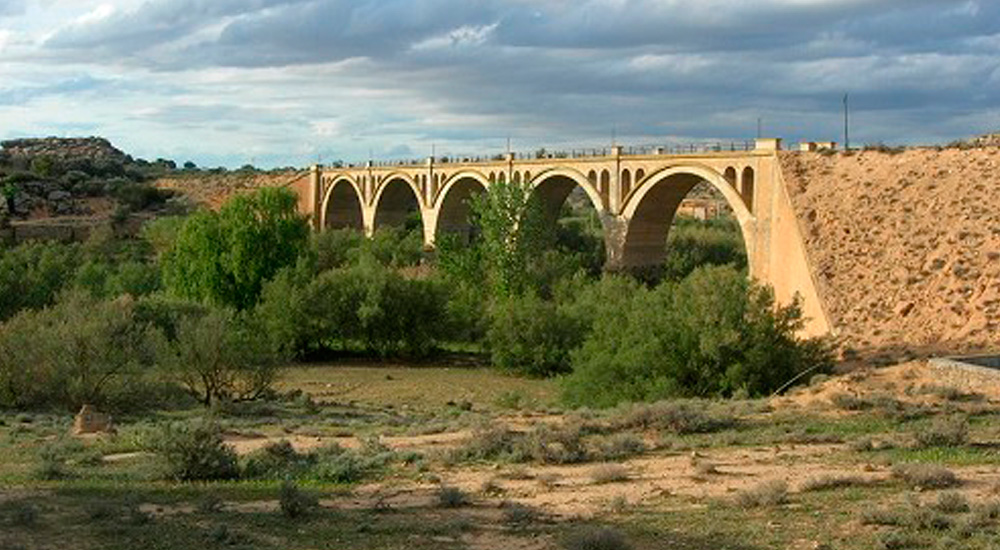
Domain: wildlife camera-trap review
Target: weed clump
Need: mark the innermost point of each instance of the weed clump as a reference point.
(925, 476)
(769, 493)
(827, 482)
(451, 497)
(196, 452)
(619, 446)
(944, 432)
(609, 473)
(596, 538)
(679, 417)
(952, 503)
(293, 502)
(516, 514)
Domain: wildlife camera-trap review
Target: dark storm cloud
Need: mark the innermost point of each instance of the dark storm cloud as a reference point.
(565, 70)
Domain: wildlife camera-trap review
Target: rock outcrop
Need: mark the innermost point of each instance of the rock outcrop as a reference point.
(62, 149)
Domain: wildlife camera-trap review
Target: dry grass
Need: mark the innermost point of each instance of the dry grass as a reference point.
(609, 473)
(925, 476)
(768, 493)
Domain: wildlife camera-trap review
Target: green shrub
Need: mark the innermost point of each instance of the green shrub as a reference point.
(712, 334)
(619, 446)
(76, 352)
(530, 336)
(195, 452)
(952, 503)
(32, 274)
(294, 502)
(366, 306)
(277, 460)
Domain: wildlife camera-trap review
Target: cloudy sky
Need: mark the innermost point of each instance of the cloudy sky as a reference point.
(290, 82)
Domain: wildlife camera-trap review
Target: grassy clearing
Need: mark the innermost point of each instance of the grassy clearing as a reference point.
(422, 388)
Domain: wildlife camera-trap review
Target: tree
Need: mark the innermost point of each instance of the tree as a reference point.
(221, 356)
(226, 258)
(512, 229)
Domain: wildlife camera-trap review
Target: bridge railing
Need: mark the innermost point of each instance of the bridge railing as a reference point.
(589, 152)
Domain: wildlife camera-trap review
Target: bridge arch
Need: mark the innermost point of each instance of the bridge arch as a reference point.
(552, 186)
(451, 210)
(342, 205)
(650, 211)
(395, 199)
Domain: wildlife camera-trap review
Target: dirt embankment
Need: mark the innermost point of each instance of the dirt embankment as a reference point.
(213, 189)
(905, 246)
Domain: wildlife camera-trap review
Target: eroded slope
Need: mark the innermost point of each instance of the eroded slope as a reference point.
(905, 246)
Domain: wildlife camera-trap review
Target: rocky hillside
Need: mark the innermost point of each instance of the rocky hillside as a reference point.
(62, 150)
(905, 244)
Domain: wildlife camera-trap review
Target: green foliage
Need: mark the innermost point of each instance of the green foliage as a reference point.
(530, 336)
(195, 452)
(712, 334)
(294, 502)
(512, 229)
(221, 356)
(32, 274)
(367, 306)
(693, 243)
(226, 258)
(78, 351)
(335, 248)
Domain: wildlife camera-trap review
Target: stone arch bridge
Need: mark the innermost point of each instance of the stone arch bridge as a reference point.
(636, 193)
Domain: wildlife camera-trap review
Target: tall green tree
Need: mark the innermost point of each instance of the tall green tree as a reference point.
(226, 257)
(512, 233)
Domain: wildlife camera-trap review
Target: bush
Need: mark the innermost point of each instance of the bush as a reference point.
(32, 274)
(620, 446)
(769, 493)
(451, 497)
(221, 356)
(366, 306)
(925, 476)
(276, 461)
(530, 336)
(294, 502)
(195, 452)
(596, 538)
(712, 334)
(77, 352)
(827, 482)
(679, 417)
(944, 432)
(952, 503)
